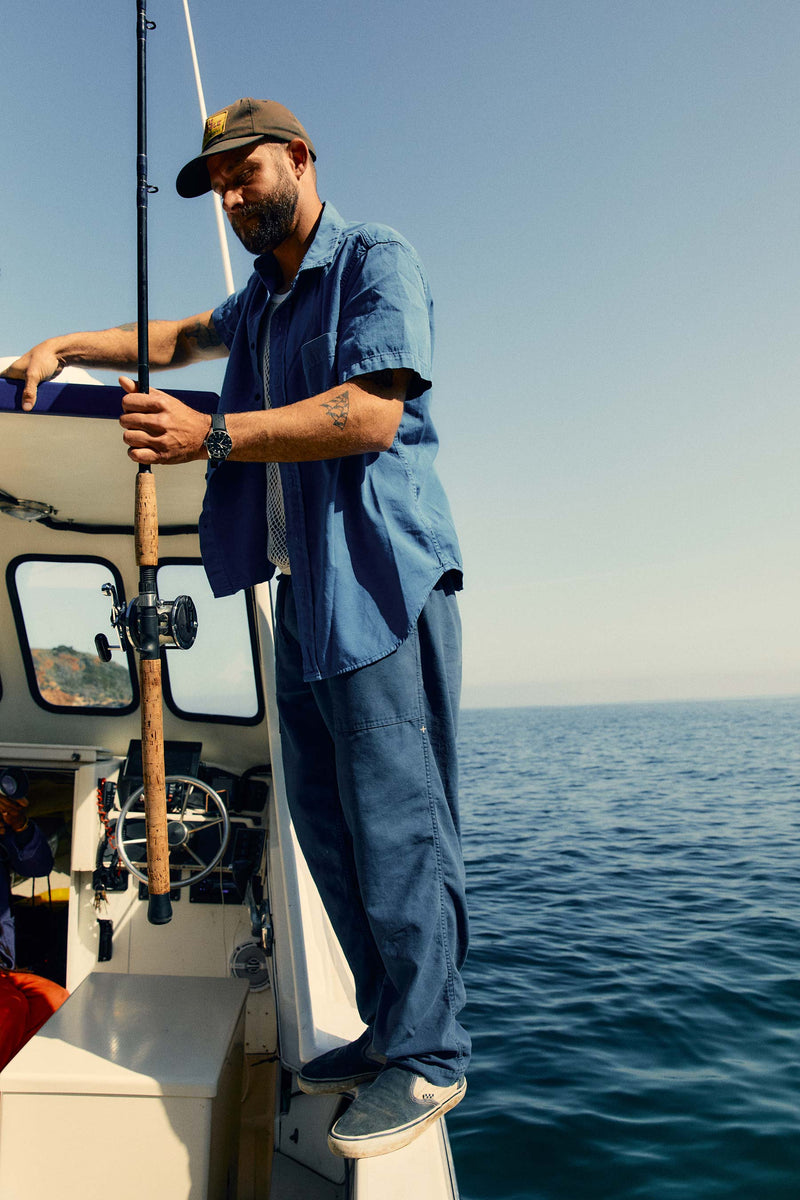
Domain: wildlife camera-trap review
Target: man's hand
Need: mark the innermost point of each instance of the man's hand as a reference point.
(35, 367)
(12, 814)
(161, 429)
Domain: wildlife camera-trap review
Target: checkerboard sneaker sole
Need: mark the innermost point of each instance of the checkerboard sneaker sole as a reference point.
(390, 1113)
(341, 1069)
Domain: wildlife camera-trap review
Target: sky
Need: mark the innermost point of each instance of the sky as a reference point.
(605, 196)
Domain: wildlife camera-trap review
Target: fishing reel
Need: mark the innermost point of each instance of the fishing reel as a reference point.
(176, 622)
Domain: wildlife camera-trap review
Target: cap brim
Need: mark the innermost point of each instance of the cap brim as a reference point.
(193, 179)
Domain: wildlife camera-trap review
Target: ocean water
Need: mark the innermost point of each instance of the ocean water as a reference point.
(634, 972)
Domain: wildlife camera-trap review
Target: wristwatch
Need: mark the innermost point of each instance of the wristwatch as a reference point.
(218, 441)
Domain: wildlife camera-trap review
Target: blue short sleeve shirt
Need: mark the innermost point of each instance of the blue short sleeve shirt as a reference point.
(368, 535)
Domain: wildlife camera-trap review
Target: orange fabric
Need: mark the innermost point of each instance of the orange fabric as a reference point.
(26, 1002)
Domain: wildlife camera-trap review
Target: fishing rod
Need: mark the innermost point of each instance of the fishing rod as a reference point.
(159, 909)
(148, 624)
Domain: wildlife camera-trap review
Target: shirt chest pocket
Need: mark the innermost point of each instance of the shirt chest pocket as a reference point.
(319, 363)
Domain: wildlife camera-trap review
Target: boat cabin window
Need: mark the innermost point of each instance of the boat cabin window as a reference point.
(218, 679)
(59, 607)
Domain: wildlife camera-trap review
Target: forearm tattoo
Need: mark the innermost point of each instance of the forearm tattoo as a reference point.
(338, 408)
(203, 336)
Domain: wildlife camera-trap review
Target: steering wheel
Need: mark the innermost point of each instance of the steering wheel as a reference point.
(192, 822)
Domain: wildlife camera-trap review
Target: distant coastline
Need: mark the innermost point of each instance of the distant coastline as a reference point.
(571, 695)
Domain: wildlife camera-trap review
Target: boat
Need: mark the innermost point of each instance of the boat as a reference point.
(172, 1067)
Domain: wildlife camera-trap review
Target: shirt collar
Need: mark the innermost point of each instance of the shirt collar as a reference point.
(319, 254)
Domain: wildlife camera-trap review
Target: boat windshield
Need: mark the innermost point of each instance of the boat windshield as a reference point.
(60, 607)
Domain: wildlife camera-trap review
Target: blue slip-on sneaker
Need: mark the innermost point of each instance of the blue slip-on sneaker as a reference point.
(390, 1113)
(341, 1069)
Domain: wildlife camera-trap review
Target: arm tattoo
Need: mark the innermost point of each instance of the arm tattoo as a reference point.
(338, 408)
(128, 327)
(204, 336)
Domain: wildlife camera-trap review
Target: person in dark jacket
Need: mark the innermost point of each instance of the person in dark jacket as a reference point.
(26, 1000)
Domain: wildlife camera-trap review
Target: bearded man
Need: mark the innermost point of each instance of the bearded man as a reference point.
(321, 467)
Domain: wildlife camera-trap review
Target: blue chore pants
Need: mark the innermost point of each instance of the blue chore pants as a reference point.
(371, 777)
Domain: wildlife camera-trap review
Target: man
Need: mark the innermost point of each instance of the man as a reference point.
(328, 384)
(26, 1000)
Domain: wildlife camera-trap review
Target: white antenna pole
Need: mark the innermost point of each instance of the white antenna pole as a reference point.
(223, 241)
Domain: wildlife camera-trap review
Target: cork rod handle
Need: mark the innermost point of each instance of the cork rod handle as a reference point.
(159, 910)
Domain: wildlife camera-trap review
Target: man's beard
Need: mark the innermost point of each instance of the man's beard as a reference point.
(275, 220)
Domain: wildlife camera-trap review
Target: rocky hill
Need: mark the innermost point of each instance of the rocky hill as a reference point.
(79, 680)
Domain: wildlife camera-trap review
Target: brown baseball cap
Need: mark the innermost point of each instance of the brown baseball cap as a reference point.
(240, 124)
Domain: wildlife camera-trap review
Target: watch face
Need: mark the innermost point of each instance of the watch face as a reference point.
(219, 445)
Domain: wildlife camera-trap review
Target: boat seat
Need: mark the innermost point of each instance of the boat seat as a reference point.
(136, 1078)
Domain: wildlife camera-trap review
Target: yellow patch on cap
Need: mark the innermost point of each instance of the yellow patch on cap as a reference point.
(215, 125)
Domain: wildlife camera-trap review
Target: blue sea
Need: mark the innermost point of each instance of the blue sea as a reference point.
(634, 971)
